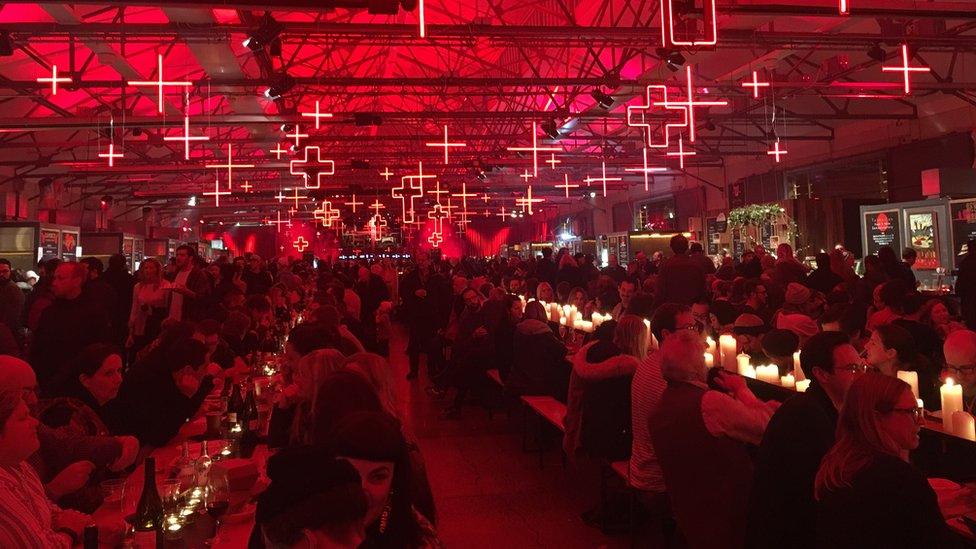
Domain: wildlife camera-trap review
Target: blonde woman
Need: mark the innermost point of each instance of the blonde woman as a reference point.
(149, 305)
(379, 373)
(311, 371)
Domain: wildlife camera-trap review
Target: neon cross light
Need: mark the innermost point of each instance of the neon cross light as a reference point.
(422, 18)
(502, 214)
(376, 206)
(526, 176)
(386, 173)
(665, 126)
(160, 83)
(646, 170)
(905, 68)
(300, 244)
(317, 115)
(247, 186)
(567, 185)
(776, 151)
(843, 8)
(229, 165)
(528, 200)
(446, 144)
(408, 182)
(354, 203)
(111, 155)
(54, 80)
(603, 179)
(710, 36)
(437, 214)
(318, 165)
(278, 151)
(689, 104)
(464, 195)
(326, 214)
(437, 192)
(279, 223)
(186, 137)
(376, 225)
(553, 161)
(681, 154)
(217, 193)
(755, 84)
(298, 135)
(485, 197)
(535, 149)
(296, 197)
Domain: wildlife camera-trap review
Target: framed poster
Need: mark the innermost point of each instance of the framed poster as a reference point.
(963, 227)
(882, 229)
(69, 246)
(924, 239)
(711, 236)
(50, 243)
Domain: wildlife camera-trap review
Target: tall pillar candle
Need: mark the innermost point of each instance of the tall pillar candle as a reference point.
(788, 381)
(727, 346)
(964, 425)
(911, 378)
(797, 371)
(951, 402)
(742, 364)
(709, 360)
(712, 348)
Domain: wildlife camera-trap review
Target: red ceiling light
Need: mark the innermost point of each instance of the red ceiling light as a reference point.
(843, 7)
(689, 104)
(646, 170)
(709, 36)
(681, 154)
(279, 222)
(386, 173)
(526, 176)
(229, 165)
(535, 149)
(414, 183)
(776, 151)
(665, 127)
(527, 201)
(217, 193)
(317, 115)
(446, 144)
(324, 167)
(111, 155)
(755, 84)
(186, 137)
(160, 83)
(906, 68)
(278, 151)
(567, 185)
(603, 179)
(298, 135)
(326, 214)
(54, 80)
(300, 244)
(353, 203)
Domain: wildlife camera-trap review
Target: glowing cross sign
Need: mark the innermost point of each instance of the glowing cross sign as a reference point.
(681, 154)
(247, 186)
(464, 195)
(435, 239)
(318, 166)
(665, 126)
(54, 80)
(689, 104)
(296, 197)
(567, 185)
(646, 170)
(528, 200)
(905, 68)
(298, 135)
(413, 183)
(485, 197)
(300, 244)
(603, 179)
(437, 192)
(502, 214)
(437, 214)
(422, 18)
(229, 165)
(326, 214)
(217, 193)
(317, 115)
(353, 203)
(186, 137)
(776, 151)
(535, 149)
(281, 197)
(279, 223)
(553, 161)
(446, 144)
(526, 176)
(376, 224)
(111, 155)
(386, 173)
(160, 83)
(668, 23)
(755, 84)
(278, 151)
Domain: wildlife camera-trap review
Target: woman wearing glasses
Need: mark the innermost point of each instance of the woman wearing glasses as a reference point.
(867, 494)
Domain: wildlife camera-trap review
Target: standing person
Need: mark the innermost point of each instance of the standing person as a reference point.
(614, 270)
(96, 290)
(42, 296)
(788, 269)
(11, 298)
(149, 300)
(626, 289)
(697, 253)
(782, 510)
(569, 272)
(189, 287)
(257, 279)
(868, 495)
(681, 279)
(118, 278)
(66, 327)
(423, 291)
(823, 278)
(895, 269)
(372, 291)
(966, 285)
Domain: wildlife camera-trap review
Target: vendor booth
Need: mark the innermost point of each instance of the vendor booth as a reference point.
(160, 249)
(103, 245)
(27, 243)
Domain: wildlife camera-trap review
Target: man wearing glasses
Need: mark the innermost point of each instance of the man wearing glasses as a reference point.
(960, 357)
(782, 509)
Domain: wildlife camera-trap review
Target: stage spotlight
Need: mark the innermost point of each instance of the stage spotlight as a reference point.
(672, 58)
(877, 53)
(265, 35)
(286, 127)
(551, 130)
(280, 85)
(604, 100)
(482, 176)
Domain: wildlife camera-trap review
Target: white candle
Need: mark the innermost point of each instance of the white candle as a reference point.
(797, 371)
(562, 320)
(911, 378)
(742, 363)
(921, 404)
(711, 346)
(964, 425)
(726, 344)
(748, 371)
(788, 381)
(802, 385)
(768, 373)
(951, 402)
(709, 360)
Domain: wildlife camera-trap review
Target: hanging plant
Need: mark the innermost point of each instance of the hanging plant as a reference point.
(759, 215)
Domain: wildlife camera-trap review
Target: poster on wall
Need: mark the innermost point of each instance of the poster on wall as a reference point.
(127, 245)
(737, 245)
(923, 238)
(963, 227)
(712, 236)
(69, 245)
(50, 244)
(882, 230)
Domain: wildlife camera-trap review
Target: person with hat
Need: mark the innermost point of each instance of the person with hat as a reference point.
(748, 330)
(800, 324)
(779, 345)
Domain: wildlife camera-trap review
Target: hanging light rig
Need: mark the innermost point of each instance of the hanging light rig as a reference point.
(54, 80)
(906, 69)
(446, 145)
(111, 155)
(159, 83)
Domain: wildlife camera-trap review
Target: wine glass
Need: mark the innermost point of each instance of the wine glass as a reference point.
(216, 502)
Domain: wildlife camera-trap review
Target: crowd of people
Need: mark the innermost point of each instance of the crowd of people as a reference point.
(101, 366)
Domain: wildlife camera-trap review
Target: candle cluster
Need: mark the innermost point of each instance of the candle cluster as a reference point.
(955, 420)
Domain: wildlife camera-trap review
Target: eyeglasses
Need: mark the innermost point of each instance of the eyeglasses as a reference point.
(852, 368)
(697, 328)
(918, 414)
(961, 369)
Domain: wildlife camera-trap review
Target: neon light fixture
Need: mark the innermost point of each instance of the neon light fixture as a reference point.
(668, 22)
(681, 154)
(376, 224)
(413, 183)
(603, 179)
(843, 8)
(278, 151)
(553, 161)
(160, 83)
(646, 170)
(353, 203)
(422, 18)
(776, 151)
(186, 137)
(217, 193)
(906, 68)
(247, 186)
(54, 80)
(689, 104)
(665, 127)
(446, 144)
(567, 185)
(321, 166)
(229, 165)
(298, 135)
(535, 149)
(279, 222)
(526, 176)
(386, 173)
(502, 214)
(111, 155)
(318, 115)
(755, 84)
(437, 192)
(437, 214)
(300, 244)
(296, 197)
(376, 206)
(527, 201)
(326, 214)
(464, 195)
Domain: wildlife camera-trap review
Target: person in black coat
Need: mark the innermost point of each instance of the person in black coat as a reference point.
(165, 391)
(966, 285)
(822, 278)
(426, 307)
(539, 364)
(118, 278)
(782, 510)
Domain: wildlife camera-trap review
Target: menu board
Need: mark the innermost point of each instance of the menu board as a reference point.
(50, 243)
(737, 245)
(963, 227)
(127, 247)
(882, 229)
(69, 246)
(924, 239)
(712, 236)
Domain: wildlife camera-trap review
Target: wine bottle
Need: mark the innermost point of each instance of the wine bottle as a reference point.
(202, 465)
(234, 406)
(90, 539)
(184, 467)
(148, 520)
(250, 411)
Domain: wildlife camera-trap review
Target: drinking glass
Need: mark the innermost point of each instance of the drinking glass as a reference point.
(217, 502)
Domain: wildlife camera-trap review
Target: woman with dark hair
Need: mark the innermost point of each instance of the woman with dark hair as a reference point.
(868, 495)
(90, 407)
(539, 365)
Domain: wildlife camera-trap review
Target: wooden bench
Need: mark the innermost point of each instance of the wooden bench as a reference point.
(546, 409)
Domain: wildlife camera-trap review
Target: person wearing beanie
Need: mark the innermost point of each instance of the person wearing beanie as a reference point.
(797, 295)
(779, 345)
(748, 330)
(800, 324)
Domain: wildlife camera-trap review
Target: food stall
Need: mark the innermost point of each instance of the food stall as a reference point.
(613, 243)
(650, 242)
(27, 243)
(926, 226)
(104, 245)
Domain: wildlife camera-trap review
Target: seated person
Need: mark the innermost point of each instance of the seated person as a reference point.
(748, 330)
(218, 351)
(539, 365)
(89, 406)
(779, 346)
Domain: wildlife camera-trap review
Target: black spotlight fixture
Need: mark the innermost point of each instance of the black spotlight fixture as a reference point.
(280, 85)
(286, 127)
(551, 130)
(709, 125)
(367, 119)
(482, 176)
(6, 44)
(672, 58)
(603, 99)
(877, 53)
(265, 35)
